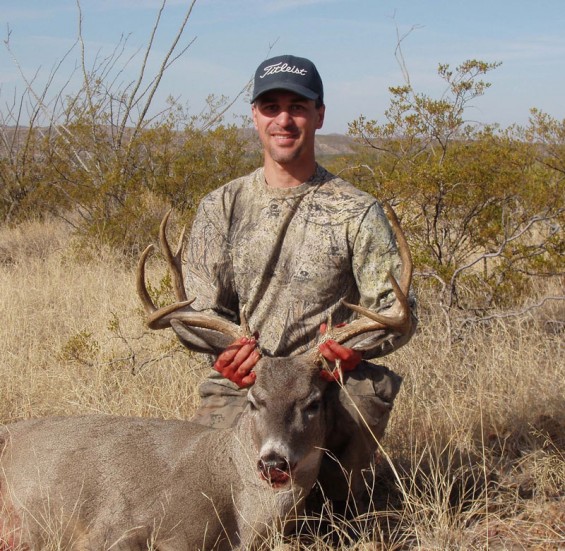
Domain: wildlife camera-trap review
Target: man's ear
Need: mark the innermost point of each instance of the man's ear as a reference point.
(321, 115)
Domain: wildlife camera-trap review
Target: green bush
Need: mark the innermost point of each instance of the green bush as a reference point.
(483, 207)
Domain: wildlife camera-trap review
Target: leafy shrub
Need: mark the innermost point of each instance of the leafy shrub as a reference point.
(484, 208)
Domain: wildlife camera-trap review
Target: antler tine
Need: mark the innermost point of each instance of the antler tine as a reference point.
(142, 292)
(155, 317)
(174, 260)
(160, 318)
(403, 249)
(397, 321)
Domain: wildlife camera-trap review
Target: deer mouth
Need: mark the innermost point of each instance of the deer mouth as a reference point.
(276, 473)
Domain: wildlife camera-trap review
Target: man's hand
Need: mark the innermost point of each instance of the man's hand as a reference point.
(237, 361)
(345, 359)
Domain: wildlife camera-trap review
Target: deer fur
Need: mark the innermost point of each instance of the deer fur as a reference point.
(104, 482)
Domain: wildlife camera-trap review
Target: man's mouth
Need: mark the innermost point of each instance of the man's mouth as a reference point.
(284, 138)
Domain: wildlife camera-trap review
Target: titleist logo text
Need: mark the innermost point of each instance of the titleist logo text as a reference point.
(281, 67)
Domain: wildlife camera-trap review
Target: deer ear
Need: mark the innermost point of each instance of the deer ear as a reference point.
(201, 340)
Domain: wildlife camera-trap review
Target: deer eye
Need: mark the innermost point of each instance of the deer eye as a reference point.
(313, 407)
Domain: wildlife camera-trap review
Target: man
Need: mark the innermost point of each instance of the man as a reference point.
(289, 242)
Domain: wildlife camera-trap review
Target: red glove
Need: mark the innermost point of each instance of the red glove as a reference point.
(237, 361)
(348, 359)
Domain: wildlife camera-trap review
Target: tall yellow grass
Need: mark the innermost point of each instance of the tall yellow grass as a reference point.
(72, 338)
(474, 457)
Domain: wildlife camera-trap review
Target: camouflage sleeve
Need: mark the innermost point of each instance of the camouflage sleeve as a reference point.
(375, 254)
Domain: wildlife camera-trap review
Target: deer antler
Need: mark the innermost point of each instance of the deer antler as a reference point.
(160, 318)
(398, 317)
(174, 260)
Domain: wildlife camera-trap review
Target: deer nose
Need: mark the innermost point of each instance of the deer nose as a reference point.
(273, 460)
(274, 468)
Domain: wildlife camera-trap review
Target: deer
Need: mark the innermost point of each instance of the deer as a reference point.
(103, 482)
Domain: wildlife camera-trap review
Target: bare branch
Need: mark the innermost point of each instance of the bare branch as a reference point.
(160, 73)
(133, 94)
(507, 240)
(399, 55)
(513, 313)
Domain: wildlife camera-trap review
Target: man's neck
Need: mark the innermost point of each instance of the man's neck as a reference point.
(284, 176)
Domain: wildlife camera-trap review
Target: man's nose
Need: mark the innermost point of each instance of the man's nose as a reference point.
(283, 118)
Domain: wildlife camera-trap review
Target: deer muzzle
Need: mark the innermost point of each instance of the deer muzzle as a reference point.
(274, 469)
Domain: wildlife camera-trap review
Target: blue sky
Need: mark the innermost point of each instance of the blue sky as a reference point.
(351, 41)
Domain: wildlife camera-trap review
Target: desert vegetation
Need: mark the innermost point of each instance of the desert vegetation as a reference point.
(474, 457)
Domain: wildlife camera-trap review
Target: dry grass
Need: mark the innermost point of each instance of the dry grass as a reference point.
(475, 453)
(73, 341)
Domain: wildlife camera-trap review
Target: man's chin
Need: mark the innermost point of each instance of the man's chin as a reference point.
(285, 156)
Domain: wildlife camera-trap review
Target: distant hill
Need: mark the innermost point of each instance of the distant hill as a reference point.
(327, 145)
(334, 144)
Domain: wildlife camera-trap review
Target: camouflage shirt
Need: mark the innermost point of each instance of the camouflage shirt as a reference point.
(290, 256)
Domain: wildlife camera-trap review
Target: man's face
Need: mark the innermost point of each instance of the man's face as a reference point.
(287, 123)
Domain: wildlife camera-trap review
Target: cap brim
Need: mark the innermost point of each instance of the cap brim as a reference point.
(291, 87)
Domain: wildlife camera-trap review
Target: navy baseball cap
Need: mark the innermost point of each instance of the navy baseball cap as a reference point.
(287, 72)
